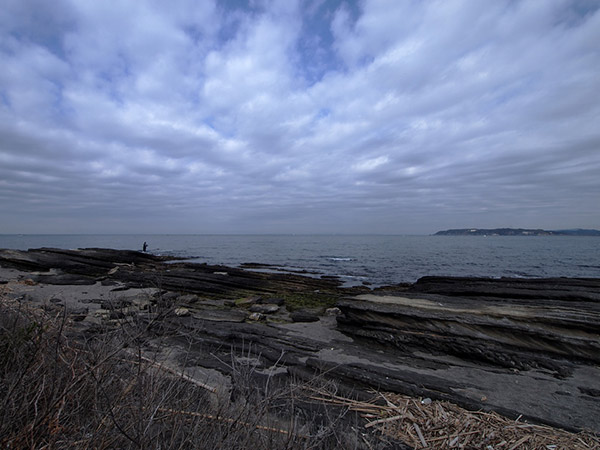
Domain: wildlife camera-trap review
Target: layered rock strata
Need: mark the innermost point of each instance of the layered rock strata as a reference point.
(519, 347)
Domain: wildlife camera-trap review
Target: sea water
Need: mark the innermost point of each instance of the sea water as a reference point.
(374, 260)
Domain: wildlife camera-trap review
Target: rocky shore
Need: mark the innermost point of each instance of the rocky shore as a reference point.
(525, 348)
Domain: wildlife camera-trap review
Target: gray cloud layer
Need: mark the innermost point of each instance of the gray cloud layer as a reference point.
(309, 116)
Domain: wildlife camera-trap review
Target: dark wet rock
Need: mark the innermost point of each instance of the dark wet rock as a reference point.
(589, 391)
(255, 265)
(304, 316)
(64, 279)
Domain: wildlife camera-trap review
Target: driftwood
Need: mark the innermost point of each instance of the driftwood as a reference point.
(423, 423)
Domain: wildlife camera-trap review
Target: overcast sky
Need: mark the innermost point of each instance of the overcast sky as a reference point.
(322, 116)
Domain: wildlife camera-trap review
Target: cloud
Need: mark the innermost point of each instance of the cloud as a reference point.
(320, 116)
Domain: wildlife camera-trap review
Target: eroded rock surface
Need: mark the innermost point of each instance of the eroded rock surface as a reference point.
(138, 269)
(527, 347)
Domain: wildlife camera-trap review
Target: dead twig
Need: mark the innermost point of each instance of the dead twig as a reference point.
(420, 425)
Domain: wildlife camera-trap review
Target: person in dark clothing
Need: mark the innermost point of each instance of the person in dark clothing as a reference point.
(145, 246)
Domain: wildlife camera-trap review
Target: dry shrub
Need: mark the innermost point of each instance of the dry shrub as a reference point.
(61, 387)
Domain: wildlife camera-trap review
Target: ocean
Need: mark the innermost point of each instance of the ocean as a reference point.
(361, 259)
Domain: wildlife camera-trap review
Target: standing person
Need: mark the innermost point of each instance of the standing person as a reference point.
(145, 247)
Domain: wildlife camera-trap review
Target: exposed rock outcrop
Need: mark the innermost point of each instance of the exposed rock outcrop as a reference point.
(511, 324)
(138, 269)
(529, 347)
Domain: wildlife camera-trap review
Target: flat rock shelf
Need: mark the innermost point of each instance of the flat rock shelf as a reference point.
(525, 348)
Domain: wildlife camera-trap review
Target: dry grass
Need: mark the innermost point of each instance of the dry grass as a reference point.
(62, 388)
(442, 425)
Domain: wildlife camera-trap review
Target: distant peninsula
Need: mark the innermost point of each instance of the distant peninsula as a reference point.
(516, 232)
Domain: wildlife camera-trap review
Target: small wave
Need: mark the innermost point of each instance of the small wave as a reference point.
(336, 258)
(521, 275)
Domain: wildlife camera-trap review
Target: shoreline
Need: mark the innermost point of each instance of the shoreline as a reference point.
(520, 347)
(375, 260)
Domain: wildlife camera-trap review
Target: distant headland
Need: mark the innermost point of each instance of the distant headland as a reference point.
(516, 232)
